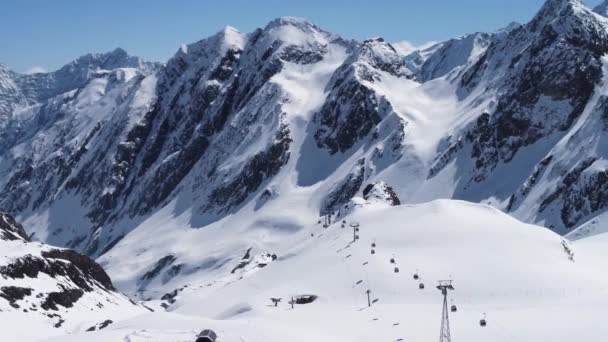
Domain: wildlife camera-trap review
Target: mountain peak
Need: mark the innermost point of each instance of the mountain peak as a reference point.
(230, 29)
(553, 8)
(232, 37)
(118, 52)
(226, 38)
(106, 60)
(380, 55)
(564, 16)
(563, 2)
(293, 31)
(290, 21)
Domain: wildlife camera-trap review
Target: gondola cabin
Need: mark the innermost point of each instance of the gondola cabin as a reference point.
(483, 322)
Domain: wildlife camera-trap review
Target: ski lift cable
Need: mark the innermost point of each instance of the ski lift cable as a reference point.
(468, 307)
(353, 280)
(374, 308)
(377, 308)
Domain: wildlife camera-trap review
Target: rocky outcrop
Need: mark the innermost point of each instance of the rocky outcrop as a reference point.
(44, 279)
(353, 108)
(345, 190)
(551, 80)
(10, 229)
(443, 58)
(381, 192)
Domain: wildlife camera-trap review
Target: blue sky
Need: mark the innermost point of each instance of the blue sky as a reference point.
(48, 34)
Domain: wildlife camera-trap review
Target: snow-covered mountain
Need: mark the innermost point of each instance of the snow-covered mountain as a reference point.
(39, 87)
(153, 169)
(238, 118)
(54, 288)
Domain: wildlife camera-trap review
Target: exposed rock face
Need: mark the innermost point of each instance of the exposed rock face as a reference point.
(582, 192)
(381, 192)
(345, 190)
(553, 76)
(14, 293)
(11, 96)
(169, 134)
(10, 229)
(354, 108)
(89, 268)
(545, 75)
(443, 58)
(42, 86)
(161, 265)
(44, 279)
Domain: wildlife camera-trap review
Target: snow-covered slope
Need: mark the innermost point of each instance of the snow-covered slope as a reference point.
(58, 290)
(513, 272)
(440, 59)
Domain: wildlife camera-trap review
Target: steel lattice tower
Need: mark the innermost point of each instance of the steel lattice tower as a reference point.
(444, 335)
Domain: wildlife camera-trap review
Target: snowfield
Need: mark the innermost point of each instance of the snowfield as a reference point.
(519, 275)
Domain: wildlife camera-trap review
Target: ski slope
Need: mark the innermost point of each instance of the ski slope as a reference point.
(520, 275)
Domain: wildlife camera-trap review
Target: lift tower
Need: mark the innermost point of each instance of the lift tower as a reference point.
(445, 286)
(355, 227)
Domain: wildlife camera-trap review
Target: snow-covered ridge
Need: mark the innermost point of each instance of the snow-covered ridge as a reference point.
(39, 87)
(57, 288)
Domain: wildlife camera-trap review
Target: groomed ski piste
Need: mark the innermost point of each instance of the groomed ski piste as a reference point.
(531, 284)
